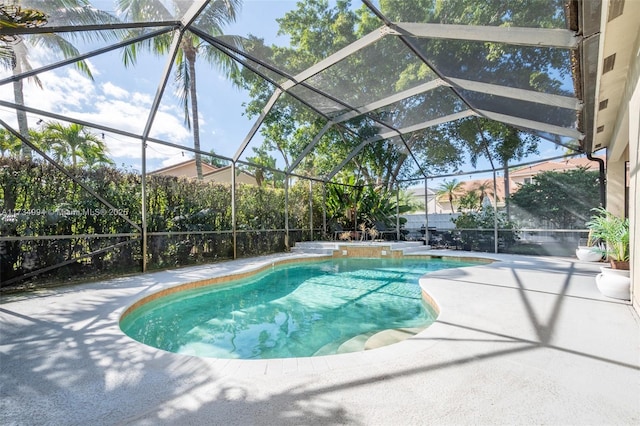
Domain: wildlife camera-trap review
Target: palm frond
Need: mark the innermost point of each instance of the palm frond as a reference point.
(221, 60)
(7, 57)
(144, 10)
(57, 43)
(183, 83)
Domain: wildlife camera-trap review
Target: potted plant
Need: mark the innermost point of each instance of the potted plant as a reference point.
(613, 231)
(591, 252)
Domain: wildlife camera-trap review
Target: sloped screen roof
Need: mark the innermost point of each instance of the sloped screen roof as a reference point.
(405, 77)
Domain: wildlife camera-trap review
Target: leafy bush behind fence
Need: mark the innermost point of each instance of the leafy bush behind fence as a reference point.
(188, 221)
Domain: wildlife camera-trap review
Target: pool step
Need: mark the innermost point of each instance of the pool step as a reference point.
(389, 337)
(355, 344)
(328, 349)
(366, 341)
(328, 247)
(313, 247)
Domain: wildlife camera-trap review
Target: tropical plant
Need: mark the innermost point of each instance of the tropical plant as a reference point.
(342, 201)
(14, 16)
(614, 232)
(475, 224)
(484, 190)
(351, 203)
(345, 236)
(75, 144)
(9, 144)
(562, 200)
(449, 190)
(496, 141)
(63, 12)
(470, 201)
(373, 232)
(211, 20)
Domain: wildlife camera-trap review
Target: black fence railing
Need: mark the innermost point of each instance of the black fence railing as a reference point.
(542, 242)
(62, 258)
(36, 260)
(58, 258)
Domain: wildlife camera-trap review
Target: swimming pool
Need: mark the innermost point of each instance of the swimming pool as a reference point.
(294, 310)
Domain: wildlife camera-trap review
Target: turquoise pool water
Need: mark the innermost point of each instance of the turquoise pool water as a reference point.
(295, 310)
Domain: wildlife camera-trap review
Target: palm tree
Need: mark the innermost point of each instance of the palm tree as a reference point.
(449, 190)
(470, 201)
(95, 155)
(485, 189)
(211, 20)
(63, 12)
(9, 144)
(75, 143)
(14, 54)
(13, 16)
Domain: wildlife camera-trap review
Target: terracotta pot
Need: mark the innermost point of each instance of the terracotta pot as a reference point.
(614, 283)
(620, 264)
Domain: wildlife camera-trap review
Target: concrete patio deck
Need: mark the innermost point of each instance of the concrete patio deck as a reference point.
(520, 341)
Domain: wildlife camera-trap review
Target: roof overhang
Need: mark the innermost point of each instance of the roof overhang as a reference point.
(618, 57)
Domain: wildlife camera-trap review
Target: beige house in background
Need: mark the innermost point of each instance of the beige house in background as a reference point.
(527, 174)
(517, 178)
(417, 194)
(209, 173)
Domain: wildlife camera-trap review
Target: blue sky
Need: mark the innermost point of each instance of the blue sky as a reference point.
(121, 98)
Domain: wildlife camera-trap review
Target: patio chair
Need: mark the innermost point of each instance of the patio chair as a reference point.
(337, 230)
(383, 230)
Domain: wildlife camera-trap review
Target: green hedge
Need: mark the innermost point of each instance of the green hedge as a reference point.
(38, 200)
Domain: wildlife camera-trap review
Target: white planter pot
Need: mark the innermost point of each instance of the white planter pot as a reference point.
(615, 283)
(588, 254)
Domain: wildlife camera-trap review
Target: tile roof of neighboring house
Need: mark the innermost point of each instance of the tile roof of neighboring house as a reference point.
(556, 166)
(206, 168)
(474, 185)
(187, 169)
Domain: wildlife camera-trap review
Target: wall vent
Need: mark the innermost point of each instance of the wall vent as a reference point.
(603, 104)
(600, 129)
(609, 63)
(616, 7)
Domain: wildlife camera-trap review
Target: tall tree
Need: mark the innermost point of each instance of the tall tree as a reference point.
(264, 174)
(215, 161)
(76, 145)
(449, 190)
(558, 199)
(14, 16)
(317, 30)
(212, 19)
(497, 141)
(62, 12)
(484, 190)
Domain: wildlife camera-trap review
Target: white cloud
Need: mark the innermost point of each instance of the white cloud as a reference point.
(106, 102)
(178, 158)
(142, 98)
(109, 88)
